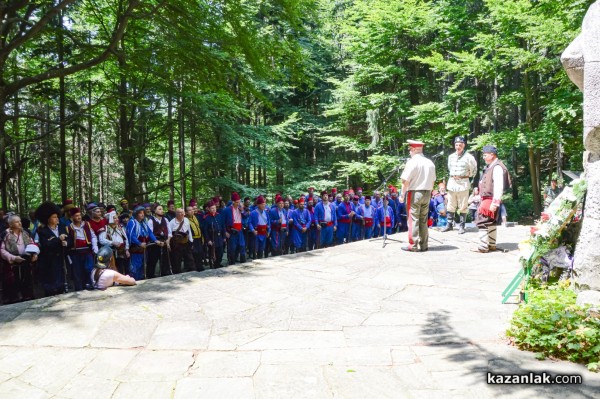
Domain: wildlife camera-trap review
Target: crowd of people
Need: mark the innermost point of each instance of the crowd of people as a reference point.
(59, 248)
(56, 247)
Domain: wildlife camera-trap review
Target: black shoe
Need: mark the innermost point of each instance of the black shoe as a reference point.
(409, 249)
(447, 228)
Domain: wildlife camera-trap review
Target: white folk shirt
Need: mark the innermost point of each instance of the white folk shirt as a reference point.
(419, 173)
(464, 165)
(498, 178)
(327, 208)
(185, 227)
(237, 215)
(118, 236)
(80, 235)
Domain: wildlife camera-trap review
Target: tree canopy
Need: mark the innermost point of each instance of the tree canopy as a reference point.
(180, 99)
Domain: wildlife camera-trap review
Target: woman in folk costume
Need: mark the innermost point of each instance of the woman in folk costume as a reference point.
(18, 252)
(114, 235)
(53, 240)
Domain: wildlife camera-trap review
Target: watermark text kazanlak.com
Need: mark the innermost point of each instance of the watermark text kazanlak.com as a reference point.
(534, 378)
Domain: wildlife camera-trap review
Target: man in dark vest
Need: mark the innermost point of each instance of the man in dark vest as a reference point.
(494, 180)
(213, 230)
(161, 229)
(85, 245)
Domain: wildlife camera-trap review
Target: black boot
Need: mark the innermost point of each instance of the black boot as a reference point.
(450, 223)
(461, 226)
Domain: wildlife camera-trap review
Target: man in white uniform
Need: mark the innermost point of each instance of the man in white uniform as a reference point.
(418, 178)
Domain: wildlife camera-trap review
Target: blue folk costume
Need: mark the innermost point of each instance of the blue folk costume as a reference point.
(368, 214)
(385, 221)
(279, 227)
(261, 224)
(213, 230)
(376, 228)
(344, 221)
(301, 220)
(138, 233)
(312, 230)
(326, 221)
(357, 222)
(236, 244)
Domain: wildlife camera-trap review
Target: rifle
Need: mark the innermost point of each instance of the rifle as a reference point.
(213, 254)
(64, 259)
(168, 257)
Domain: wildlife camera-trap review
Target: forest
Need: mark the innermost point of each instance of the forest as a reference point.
(152, 100)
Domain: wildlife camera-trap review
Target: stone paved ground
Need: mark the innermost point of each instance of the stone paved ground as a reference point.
(356, 321)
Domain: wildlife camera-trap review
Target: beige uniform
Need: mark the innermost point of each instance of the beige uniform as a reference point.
(461, 168)
(420, 175)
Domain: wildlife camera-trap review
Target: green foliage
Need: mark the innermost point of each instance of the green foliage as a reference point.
(551, 324)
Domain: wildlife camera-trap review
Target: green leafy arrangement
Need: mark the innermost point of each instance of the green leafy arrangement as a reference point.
(555, 327)
(547, 232)
(550, 322)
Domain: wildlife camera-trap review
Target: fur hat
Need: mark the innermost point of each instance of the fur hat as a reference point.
(45, 210)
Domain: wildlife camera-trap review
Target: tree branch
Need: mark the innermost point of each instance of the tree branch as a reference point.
(35, 29)
(56, 73)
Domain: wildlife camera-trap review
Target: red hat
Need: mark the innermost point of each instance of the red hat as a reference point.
(260, 200)
(170, 202)
(346, 192)
(324, 193)
(334, 190)
(300, 201)
(368, 197)
(359, 189)
(216, 199)
(235, 196)
(295, 201)
(75, 211)
(415, 143)
(211, 203)
(193, 202)
(278, 199)
(356, 198)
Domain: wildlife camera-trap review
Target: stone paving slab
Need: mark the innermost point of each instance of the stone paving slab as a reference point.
(356, 321)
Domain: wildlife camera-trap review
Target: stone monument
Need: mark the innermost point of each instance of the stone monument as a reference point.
(582, 63)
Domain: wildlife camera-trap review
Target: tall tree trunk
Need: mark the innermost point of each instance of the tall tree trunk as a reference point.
(171, 148)
(19, 174)
(74, 161)
(533, 159)
(62, 113)
(43, 161)
(80, 169)
(192, 154)
(89, 180)
(181, 131)
(127, 150)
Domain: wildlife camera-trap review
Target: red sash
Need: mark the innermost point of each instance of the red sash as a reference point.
(81, 244)
(329, 224)
(368, 222)
(261, 230)
(237, 226)
(388, 222)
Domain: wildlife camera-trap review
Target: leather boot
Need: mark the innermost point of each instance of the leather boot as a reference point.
(450, 223)
(461, 226)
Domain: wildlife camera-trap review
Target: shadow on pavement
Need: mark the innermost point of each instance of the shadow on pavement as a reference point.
(476, 359)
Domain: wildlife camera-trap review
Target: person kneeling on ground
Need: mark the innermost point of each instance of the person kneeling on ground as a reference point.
(102, 277)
